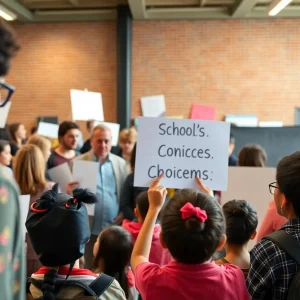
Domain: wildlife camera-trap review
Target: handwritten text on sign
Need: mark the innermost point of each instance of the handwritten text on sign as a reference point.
(182, 150)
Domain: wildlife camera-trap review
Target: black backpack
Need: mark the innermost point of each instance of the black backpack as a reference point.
(92, 291)
(292, 247)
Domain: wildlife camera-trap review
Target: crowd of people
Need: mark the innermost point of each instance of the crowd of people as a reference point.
(141, 243)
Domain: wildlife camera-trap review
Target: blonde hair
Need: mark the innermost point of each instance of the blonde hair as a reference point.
(128, 135)
(43, 143)
(29, 169)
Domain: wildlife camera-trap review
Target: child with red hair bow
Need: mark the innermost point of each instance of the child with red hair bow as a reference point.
(193, 228)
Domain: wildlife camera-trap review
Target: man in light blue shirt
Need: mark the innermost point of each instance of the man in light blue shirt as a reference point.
(112, 174)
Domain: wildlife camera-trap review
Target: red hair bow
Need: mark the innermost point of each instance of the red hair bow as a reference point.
(189, 210)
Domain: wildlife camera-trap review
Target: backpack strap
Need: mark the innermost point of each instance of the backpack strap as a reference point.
(287, 243)
(101, 284)
(96, 288)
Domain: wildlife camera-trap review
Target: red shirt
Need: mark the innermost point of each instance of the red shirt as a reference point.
(185, 282)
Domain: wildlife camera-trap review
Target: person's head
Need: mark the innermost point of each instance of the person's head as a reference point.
(58, 228)
(29, 169)
(127, 140)
(43, 143)
(112, 253)
(252, 156)
(241, 222)
(5, 155)
(142, 206)
(90, 125)
(192, 239)
(68, 133)
(132, 159)
(8, 47)
(231, 144)
(33, 130)
(287, 191)
(101, 141)
(17, 132)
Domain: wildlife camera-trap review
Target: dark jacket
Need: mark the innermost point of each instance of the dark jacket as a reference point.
(128, 196)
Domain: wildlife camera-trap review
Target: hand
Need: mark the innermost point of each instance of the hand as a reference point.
(71, 186)
(157, 194)
(119, 219)
(203, 188)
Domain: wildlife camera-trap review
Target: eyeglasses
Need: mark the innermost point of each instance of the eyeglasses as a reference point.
(6, 92)
(272, 187)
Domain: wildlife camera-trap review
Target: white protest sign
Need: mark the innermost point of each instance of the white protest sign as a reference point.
(250, 184)
(182, 150)
(48, 129)
(61, 175)
(153, 106)
(86, 105)
(4, 114)
(24, 201)
(115, 130)
(86, 173)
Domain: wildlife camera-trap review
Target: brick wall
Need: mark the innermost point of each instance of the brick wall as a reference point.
(56, 58)
(240, 67)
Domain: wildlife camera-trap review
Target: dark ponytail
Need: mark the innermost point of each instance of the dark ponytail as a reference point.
(48, 286)
(115, 251)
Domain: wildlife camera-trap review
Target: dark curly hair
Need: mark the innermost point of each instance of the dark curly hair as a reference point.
(8, 47)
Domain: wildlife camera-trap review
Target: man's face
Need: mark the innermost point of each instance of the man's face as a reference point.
(101, 143)
(70, 139)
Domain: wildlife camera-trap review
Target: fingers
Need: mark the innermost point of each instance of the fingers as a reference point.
(156, 181)
(73, 183)
(198, 180)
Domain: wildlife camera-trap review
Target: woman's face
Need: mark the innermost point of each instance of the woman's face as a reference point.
(21, 132)
(127, 147)
(5, 156)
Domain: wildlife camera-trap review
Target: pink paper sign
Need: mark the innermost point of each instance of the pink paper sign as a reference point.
(203, 112)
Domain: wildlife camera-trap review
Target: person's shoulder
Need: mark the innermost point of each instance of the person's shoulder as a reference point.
(117, 159)
(114, 291)
(265, 250)
(7, 180)
(86, 156)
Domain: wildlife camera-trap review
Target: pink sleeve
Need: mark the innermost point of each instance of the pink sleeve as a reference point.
(266, 226)
(143, 273)
(271, 222)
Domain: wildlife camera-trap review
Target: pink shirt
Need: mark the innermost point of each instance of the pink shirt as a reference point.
(185, 282)
(158, 254)
(272, 221)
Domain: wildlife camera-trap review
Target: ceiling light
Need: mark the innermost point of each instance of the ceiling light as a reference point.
(276, 6)
(7, 14)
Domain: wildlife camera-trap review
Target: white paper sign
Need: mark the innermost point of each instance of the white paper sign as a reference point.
(250, 184)
(86, 105)
(48, 129)
(4, 114)
(61, 175)
(115, 130)
(153, 106)
(270, 124)
(182, 150)
(242, 120)
(24, 201)
(86, 173)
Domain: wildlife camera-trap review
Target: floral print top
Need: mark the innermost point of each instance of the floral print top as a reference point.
(12, 253)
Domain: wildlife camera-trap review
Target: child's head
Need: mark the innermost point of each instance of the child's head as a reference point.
(112, 253)
(241, 222)
(142, 206)
(191, 239)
